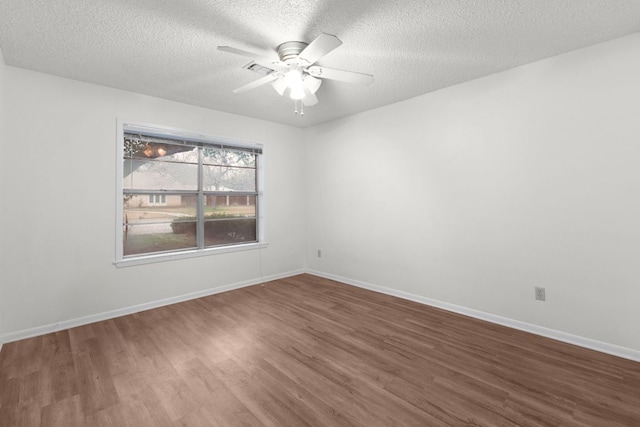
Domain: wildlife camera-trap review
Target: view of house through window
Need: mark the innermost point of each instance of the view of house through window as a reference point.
(179, 194)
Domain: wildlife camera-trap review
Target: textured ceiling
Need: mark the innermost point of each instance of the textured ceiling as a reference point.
(167, 48)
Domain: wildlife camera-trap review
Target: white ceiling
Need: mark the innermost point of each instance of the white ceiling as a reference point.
(167, 48)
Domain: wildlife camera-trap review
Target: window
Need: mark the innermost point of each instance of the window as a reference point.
(185, 194)
(157, 199)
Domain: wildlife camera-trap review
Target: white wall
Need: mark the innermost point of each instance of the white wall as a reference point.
(59, 147)
(477, 193)
(471, 195)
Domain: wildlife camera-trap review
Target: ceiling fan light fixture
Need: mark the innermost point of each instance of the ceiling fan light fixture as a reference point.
(312, 83)
(296, 93)
(295, 84)
(280, 86)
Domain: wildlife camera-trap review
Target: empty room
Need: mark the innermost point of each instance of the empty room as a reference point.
(319, 213)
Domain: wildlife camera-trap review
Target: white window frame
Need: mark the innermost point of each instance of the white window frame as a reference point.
(120, 260)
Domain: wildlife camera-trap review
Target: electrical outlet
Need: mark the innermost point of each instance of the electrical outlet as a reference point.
(319, 253)
(540, 294)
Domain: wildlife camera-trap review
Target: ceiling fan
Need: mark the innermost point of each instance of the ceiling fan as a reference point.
(294, 70)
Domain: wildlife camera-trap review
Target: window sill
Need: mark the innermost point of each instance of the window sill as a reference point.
(149, 259)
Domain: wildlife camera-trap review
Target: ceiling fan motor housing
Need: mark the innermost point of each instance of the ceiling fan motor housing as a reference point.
(290, 50)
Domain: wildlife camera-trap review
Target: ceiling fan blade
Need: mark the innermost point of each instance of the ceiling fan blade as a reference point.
(265, 61)
(244, 53)
(254, 84)
(318, 48)
(343, 76)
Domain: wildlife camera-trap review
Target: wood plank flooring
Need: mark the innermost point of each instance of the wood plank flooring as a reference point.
(306, 351)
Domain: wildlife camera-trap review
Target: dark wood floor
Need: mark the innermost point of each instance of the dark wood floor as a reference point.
(309, 351)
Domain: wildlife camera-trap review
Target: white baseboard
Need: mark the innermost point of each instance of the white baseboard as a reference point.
(591, 344)
(600, 346)
(72, 323)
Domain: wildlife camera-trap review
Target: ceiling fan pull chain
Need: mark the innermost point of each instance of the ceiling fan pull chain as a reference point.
(295, 107)
(301, 108)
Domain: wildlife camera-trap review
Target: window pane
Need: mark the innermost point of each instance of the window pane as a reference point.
(159, 175)
(135, 148)
(225, 178)
(140, 208)
(149, 228)
(229, 206)
(227, 231)
(228, 157)
(143, 238)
